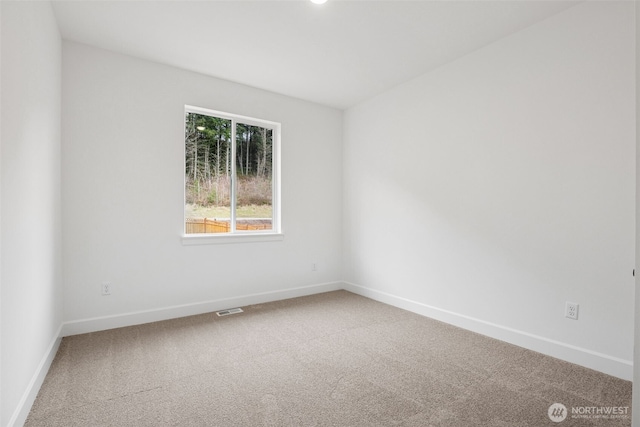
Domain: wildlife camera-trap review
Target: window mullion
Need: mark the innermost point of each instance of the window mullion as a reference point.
(233, 176)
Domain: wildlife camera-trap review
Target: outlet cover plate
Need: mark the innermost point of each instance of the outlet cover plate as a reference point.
(571, 310)
(106, 288)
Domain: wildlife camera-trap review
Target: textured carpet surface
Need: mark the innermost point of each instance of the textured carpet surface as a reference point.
(333, 359)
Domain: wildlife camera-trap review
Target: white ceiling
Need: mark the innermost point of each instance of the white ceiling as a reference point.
(336, 54)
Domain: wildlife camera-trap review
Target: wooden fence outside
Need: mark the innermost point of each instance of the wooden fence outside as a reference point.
(207, 225)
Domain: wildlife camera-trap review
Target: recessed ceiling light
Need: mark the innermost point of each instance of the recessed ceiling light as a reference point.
(318, 1)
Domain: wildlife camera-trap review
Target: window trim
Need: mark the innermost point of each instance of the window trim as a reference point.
(235, 236)
(227, 238)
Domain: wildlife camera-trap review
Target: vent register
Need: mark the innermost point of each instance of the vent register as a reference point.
(228, 312)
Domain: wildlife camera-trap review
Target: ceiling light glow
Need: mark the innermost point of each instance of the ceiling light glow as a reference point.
(319, 1)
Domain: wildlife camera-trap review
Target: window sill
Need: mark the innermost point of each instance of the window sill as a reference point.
(213, 239)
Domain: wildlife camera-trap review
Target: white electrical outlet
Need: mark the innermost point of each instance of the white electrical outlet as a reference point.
(106, 288)
(314, 266)
(571, 310)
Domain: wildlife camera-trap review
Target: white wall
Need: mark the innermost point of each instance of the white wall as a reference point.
(499, 186)
(30, 225)
(123, 172)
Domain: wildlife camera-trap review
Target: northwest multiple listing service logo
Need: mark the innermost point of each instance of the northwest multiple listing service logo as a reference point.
(557, 412)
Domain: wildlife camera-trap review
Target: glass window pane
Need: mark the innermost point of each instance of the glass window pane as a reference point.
(207, 174)
(254, 169)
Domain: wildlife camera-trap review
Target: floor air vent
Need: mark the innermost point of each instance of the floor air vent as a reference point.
(229, 311)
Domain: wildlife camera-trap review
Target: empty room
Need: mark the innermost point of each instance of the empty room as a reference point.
(297, 213)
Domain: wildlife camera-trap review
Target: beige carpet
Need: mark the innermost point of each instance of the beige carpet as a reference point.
(334, 359)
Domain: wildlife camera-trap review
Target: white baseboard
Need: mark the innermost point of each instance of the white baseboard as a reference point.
(610, 365)
(26, 402)
(139, 317)
(584, 357)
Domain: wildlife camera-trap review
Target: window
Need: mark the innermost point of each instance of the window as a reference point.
(231, 174)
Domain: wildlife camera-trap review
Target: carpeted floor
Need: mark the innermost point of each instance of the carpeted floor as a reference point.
(334, 359)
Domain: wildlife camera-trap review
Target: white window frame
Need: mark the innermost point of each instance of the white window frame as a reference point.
(237, 236)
